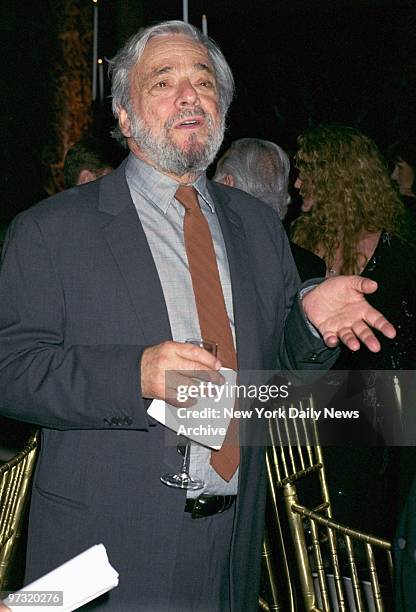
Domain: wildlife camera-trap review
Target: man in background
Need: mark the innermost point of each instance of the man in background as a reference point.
(261, 168)
(87, 160)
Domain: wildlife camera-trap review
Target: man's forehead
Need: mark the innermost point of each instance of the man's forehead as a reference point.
(164, 52)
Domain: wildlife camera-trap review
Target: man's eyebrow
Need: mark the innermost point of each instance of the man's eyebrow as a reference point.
(202, 66)
(166, 69)
(161, 70)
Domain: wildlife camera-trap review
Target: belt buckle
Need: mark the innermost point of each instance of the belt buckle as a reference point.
(209, 505)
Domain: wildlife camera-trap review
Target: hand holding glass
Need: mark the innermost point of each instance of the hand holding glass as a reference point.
(184, 480)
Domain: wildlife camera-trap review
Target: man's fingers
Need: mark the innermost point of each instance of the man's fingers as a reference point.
(176, 378)
(170, 364)
(366, 336)
(331, 339)
(174, 356)
(349, 338)
(379, 322)
(178, 383)
(184, 374)
(198, 355)
(342, 313)
(352, 336)
(172, 397)
(363, 284)
(205, 375)
(388, 330)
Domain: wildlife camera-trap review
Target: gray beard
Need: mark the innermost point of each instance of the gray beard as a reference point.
(167, 156)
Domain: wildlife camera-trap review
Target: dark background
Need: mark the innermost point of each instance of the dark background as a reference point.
(295, 62)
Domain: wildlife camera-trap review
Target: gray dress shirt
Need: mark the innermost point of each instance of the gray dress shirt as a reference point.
(162, 216)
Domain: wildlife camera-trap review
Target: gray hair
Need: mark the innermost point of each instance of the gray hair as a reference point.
(122, 64)
(259, 167)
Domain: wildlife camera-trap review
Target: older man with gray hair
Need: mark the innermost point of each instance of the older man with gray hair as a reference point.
(87, 337)
(261, 168)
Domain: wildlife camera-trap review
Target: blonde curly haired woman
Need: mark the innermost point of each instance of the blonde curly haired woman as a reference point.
(358, 225)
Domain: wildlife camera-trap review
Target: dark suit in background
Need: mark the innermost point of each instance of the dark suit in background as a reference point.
(308, 264)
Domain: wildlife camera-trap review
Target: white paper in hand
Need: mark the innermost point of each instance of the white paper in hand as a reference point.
(206, 422)
(82, 578)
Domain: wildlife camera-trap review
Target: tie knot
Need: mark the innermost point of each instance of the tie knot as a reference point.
(187, 196)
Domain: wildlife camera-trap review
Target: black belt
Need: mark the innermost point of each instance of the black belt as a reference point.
(207, 505)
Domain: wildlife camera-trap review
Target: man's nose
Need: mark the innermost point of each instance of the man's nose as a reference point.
(187, 94)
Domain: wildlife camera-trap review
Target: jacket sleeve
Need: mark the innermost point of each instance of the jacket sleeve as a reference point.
(300, 348)
(42, 380)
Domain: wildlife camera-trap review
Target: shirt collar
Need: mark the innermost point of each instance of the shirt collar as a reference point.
(158, 188)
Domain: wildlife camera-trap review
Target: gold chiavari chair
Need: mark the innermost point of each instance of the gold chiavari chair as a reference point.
(313, 562)
(15, 480)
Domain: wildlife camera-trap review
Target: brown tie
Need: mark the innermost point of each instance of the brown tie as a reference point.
(212, 313)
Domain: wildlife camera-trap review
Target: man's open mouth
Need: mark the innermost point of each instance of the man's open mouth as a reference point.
(189, 123)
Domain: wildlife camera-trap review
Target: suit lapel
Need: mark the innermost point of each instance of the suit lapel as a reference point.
(126, 238)
(127, 241)
(244, 297)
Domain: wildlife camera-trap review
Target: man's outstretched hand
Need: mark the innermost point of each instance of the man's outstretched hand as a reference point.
(339, 311)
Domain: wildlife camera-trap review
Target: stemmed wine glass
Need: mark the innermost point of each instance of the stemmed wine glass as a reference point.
(183, 479)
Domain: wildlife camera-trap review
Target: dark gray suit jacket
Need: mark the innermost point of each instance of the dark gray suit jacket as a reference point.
(80, 299)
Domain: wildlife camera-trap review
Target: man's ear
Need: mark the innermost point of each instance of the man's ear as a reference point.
(86, 176)
(228, 180)
(124, 123)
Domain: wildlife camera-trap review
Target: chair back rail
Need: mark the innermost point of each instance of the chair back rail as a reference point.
(324, 549)
(15, 482)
